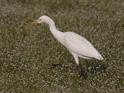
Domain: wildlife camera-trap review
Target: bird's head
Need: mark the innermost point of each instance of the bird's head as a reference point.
(42, 19)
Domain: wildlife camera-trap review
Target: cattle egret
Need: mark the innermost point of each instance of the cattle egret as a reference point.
(76, 44)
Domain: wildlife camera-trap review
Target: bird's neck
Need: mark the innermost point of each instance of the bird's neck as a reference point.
(56, 33)
(52, 27)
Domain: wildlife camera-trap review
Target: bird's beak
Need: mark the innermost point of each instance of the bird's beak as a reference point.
(35, 22)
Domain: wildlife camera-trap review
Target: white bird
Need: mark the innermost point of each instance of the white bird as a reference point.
(76, 44)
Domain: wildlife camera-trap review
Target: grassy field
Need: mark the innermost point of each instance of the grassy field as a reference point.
(27, 53)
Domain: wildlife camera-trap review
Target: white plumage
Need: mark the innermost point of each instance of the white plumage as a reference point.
(76, 44)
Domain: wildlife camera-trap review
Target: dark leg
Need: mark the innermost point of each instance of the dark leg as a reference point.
(56, 65)
(82, 71)
(98, 67)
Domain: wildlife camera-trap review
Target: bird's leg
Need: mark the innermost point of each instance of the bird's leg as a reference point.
(56, 65)
(82, 72)
(76, 58)
(98, 68)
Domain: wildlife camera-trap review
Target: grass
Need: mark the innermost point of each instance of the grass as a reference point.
(27, 53)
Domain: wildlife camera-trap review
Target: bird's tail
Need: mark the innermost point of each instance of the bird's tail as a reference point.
(99, 57)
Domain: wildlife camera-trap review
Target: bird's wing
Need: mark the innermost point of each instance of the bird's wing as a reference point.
(79, 45)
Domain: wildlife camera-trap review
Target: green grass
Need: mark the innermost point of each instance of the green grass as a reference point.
(27, 53)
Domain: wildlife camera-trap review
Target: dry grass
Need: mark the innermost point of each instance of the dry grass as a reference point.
(27, 53)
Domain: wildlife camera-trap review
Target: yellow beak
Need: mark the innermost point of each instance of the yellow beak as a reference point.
(35, 22)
